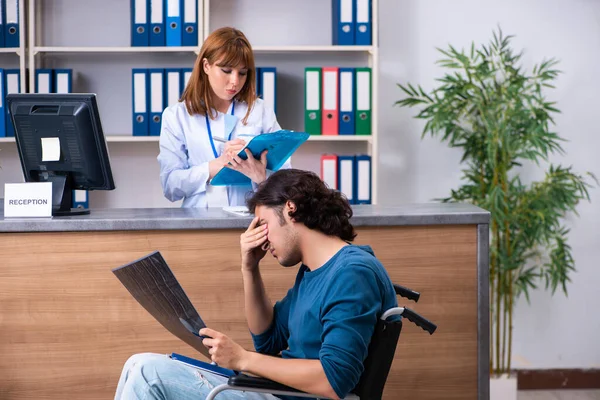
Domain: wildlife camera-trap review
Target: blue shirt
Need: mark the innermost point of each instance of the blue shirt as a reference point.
(185, 149)
(330, 315)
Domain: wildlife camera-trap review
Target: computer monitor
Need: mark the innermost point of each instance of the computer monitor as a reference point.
(60, 140)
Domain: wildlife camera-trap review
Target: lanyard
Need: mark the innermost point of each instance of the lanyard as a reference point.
(212, 143)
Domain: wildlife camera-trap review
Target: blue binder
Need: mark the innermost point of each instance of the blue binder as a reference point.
(364, 16)
(3, 106)
(347, 177)
(268, 86)
(140, 27)
(215, 369)
(257, 83)
(362, 175)
(346, 93)
(63, 80)
(174, 22)
(80, 199)
(11, 23)
(139, 97)
(157, 22)
(190, 23)
(2, 22)
(44, 80)
(280, 144)
(12, 84)
(156, 98)
(343, 25)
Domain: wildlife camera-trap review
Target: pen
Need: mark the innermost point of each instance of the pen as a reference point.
(218, 139)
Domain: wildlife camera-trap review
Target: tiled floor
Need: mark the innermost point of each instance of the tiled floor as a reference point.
(568, 394)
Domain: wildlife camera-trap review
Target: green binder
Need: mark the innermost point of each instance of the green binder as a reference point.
(363, 101)
(312, 100)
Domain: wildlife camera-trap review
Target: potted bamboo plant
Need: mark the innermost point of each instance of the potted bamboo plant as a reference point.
(493, 110)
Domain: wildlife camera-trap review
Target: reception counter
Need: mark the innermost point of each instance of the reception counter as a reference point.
(67, 325)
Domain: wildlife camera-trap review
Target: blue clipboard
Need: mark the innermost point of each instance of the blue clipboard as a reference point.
(280, 144)
(215, 369)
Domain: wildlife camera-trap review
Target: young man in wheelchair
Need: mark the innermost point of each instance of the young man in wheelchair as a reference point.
(321, 328)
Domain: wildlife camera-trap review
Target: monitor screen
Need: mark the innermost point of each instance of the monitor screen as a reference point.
(60, 140)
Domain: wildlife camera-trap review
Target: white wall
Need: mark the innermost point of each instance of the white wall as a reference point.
(552, 332)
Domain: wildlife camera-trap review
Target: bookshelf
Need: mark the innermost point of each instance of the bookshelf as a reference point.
(106, 56)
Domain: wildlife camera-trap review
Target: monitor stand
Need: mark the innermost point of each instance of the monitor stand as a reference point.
(62, 196)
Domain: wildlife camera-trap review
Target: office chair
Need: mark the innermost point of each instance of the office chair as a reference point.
(376, 366)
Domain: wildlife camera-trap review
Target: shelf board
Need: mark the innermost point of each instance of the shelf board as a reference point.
(292, 49)
(315, 138)
(134, 139)
(192, 49)
(15, 50)
(116, 49)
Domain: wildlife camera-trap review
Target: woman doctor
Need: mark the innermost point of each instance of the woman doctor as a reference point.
(217, 114)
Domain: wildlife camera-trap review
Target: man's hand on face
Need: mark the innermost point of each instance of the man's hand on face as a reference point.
(251, 243)
(224, 351)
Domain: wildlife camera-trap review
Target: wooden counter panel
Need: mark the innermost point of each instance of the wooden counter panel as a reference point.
(67, 325)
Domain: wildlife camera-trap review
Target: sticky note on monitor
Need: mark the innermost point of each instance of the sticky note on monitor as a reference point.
(50, 149)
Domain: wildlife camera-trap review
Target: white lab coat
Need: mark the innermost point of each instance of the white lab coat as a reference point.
(185, 149)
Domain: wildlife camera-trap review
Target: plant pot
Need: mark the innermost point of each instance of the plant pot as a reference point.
(503, 387)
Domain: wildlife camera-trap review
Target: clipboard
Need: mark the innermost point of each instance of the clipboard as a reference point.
(281, 145)
(215, 369)
(152, 283)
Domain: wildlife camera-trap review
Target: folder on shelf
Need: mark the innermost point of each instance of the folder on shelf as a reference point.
(280, 146)
(157, 23)
(173, 83)
(363, 101)
(11, 24)
(363, 35)
(347, 92)
(186, 74)
(343, 25)
(330, 112)
(363, 179)
(257, 83)
(157, 99)
(329, 170)
(44, 82)
(140, 31)
(2, 18)
(347, 177)
(63, 80)
(3, 106)
(268, 86)
(80, 199)
(174, 23)
(140, 101)
(12, 84)
(312, 100)
(189, 34)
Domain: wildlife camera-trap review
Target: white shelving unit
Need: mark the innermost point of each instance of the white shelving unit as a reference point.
(33, 49)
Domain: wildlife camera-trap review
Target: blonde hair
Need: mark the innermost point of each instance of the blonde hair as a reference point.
(231, 48)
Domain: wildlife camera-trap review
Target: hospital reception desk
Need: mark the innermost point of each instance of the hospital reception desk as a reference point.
(67, 324)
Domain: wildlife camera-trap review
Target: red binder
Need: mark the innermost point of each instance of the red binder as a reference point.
(330, 101)
(329, 170)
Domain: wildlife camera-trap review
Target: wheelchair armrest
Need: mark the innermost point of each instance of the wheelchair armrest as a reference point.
(254, 382)
(406, 292)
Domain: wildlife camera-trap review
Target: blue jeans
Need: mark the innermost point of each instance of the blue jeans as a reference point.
(156, 376)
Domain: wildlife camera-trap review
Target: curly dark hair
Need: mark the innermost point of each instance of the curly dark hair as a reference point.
(317, 206)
